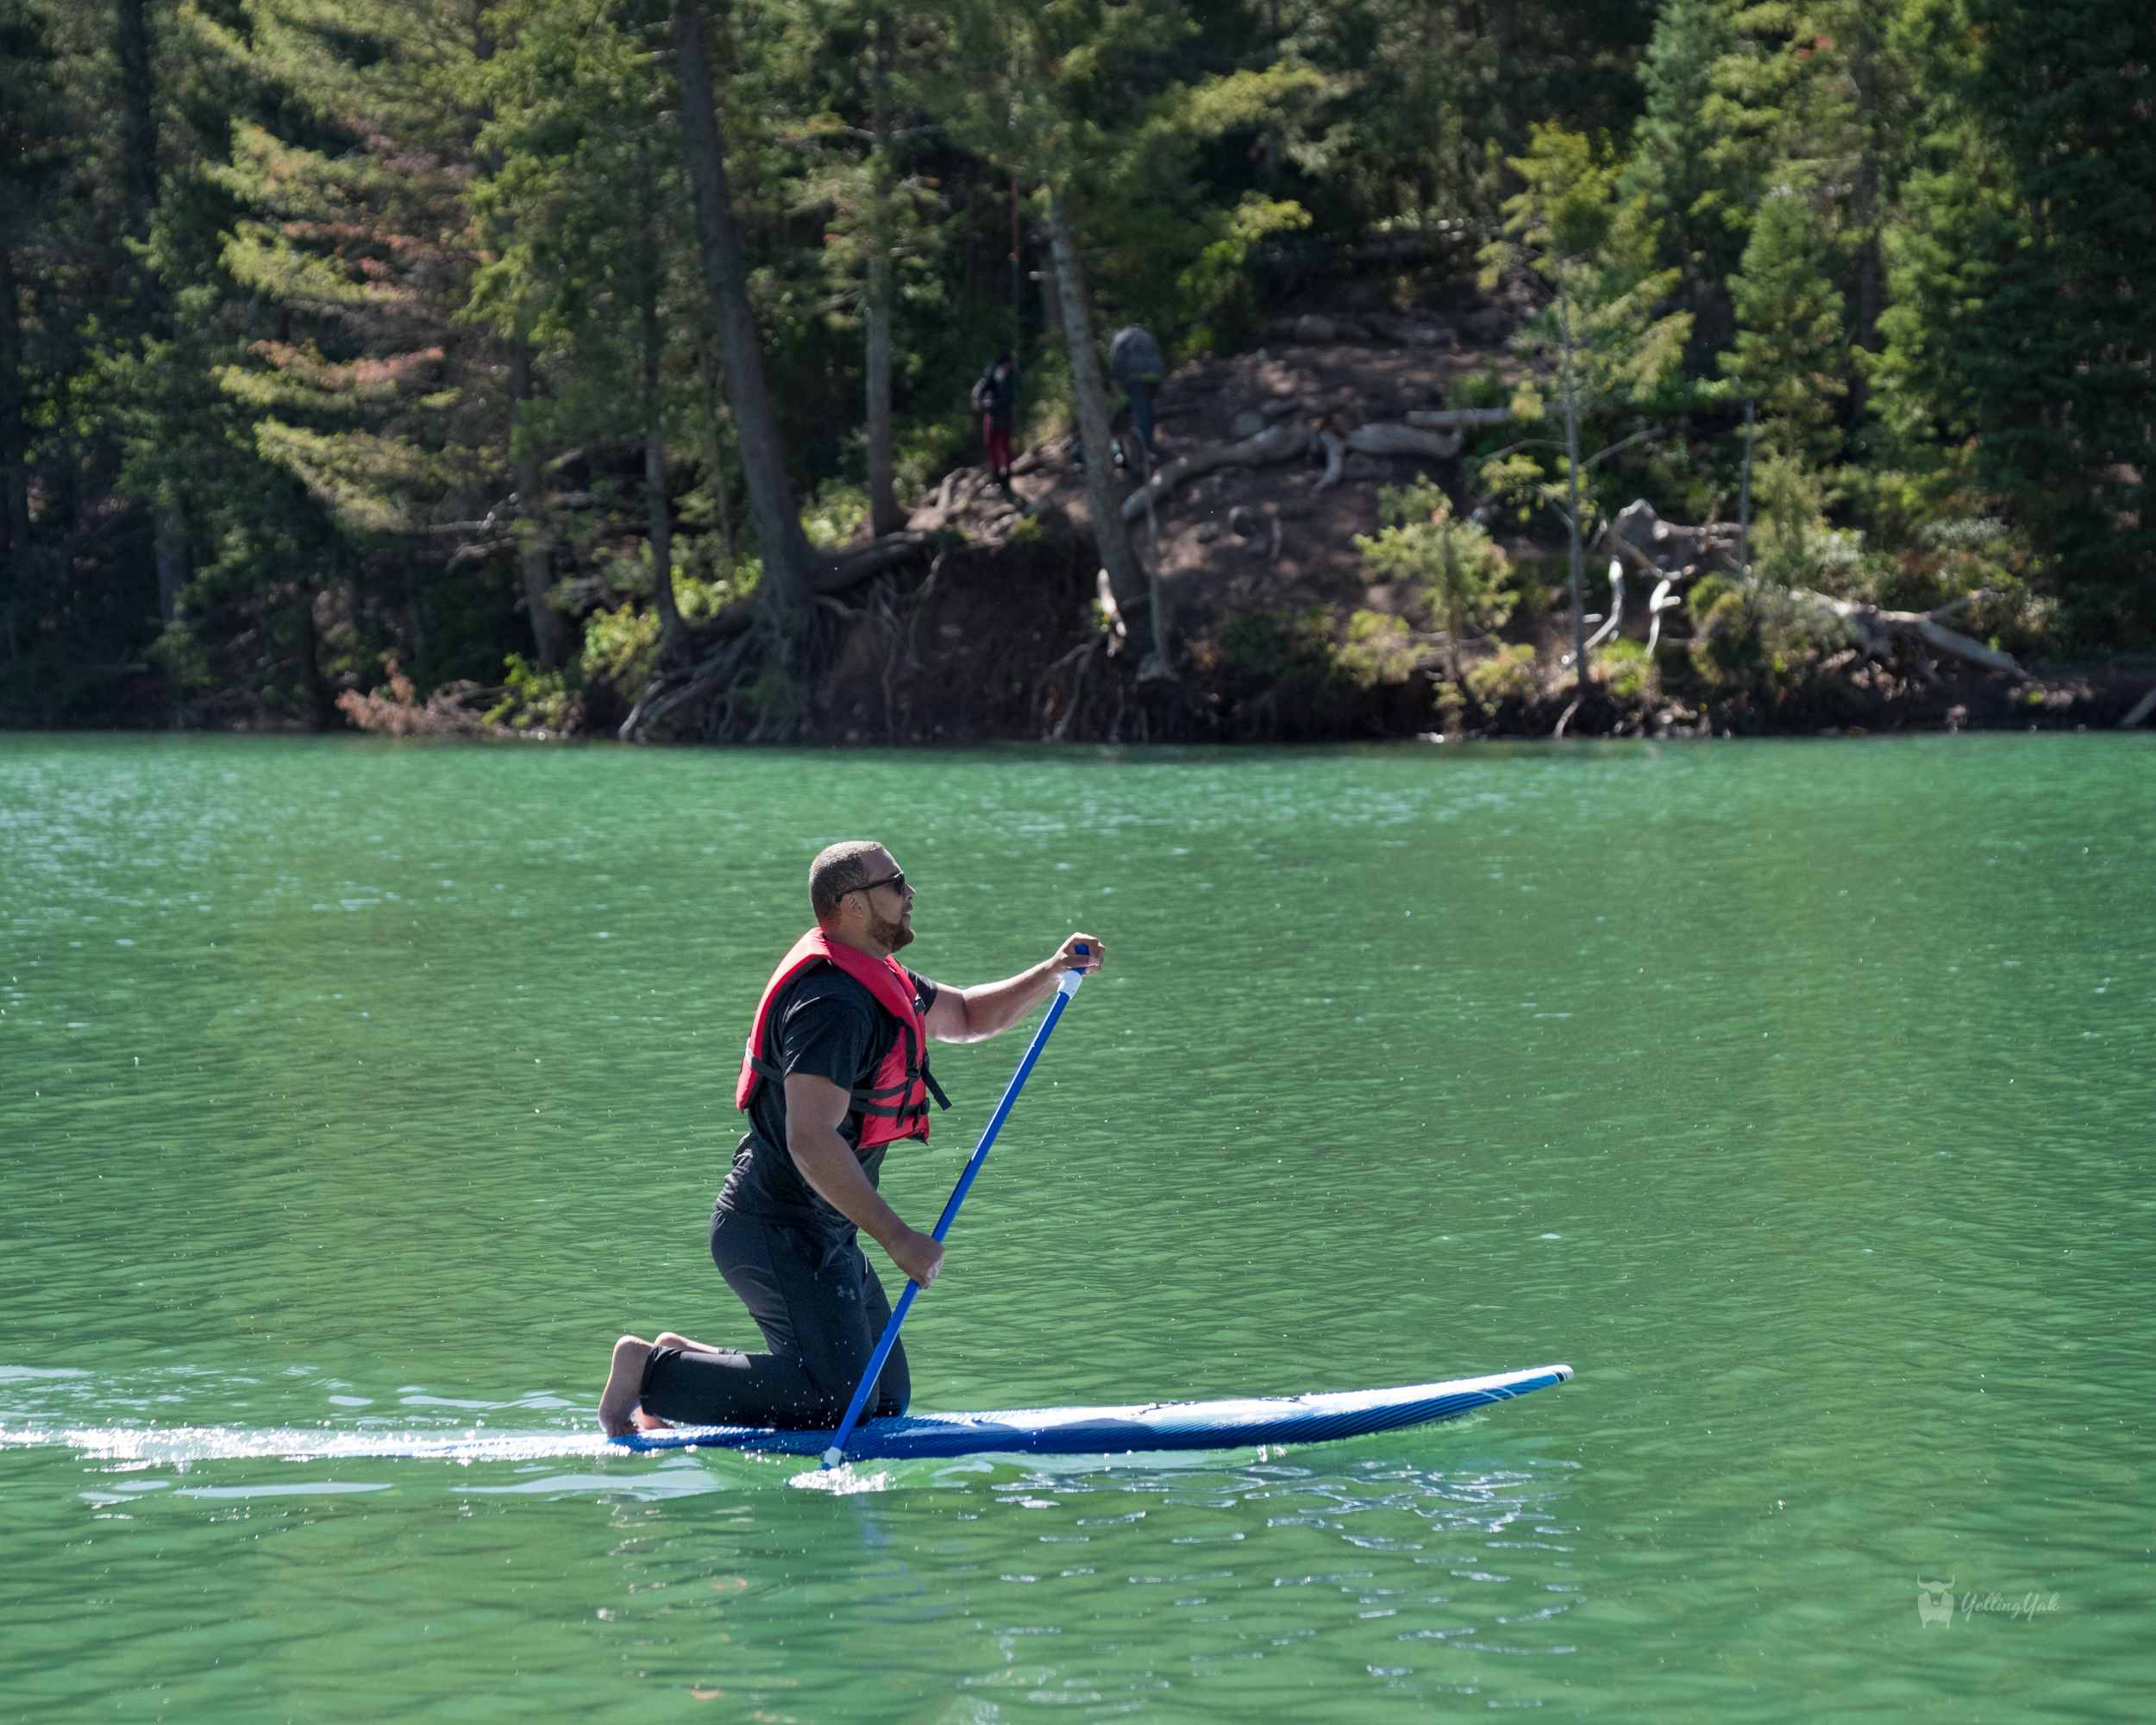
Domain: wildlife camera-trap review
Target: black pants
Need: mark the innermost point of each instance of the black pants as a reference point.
(821, 1310)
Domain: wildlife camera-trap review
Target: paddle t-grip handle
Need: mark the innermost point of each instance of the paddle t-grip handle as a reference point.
(1066, 986)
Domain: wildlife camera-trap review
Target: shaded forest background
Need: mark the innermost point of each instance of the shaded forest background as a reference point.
(386, 339)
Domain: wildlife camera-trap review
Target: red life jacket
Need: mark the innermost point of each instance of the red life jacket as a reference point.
(895, 1104)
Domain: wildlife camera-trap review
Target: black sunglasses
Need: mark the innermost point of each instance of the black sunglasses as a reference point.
(897, 880)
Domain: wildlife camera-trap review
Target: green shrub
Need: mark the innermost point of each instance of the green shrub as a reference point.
(539, 700)
(622, 646)
(1462, 573)
(1379, 652)
(1508, 674)
(1754, 641)
(1452, 706)
(1630, 671)
(836, 514)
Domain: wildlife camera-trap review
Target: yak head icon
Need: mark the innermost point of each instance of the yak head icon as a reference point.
(1934, 1603)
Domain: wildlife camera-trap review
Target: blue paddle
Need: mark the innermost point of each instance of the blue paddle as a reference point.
(1064, 990)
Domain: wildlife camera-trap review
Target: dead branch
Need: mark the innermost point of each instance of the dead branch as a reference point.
(1335, 456)
(1281, 444)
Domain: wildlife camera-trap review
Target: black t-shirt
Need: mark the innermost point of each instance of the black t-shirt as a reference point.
(999, 395)
(826, 1025)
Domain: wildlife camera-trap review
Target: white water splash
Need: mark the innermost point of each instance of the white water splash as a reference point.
(181, 1446)
(842, 1481)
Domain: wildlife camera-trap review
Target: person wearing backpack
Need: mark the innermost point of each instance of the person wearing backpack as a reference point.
(995, 398)
(1135, 361)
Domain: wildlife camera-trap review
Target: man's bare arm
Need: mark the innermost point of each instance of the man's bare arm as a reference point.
(815, 1109)
(987, 1009)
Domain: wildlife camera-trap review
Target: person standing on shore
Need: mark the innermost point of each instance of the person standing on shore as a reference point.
(995, 396)
(1135, 361)
(836, 1072)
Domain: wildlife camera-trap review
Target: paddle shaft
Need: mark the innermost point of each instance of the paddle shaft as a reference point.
(1064, 990)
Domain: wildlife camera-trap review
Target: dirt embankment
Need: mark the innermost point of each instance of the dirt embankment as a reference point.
(1004, 637)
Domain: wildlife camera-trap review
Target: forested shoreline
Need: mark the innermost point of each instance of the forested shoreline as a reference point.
(545, 364)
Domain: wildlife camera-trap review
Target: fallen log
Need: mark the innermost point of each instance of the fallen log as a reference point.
(1876, 630)
(1285, 442)
(1281, 444)
(1404, 440)
(1458, 419)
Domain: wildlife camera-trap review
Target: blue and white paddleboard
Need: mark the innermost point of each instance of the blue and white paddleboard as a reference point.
(1121, 1430)
(1151, 1425)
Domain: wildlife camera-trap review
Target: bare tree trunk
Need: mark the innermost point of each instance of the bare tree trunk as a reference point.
(1572, 474)
(1866, 334)
(673, 636)
(545, 625)
(1743, 503)
(415, 620)
(321, 708)
(709, 369)
(138, 115)
(787, 558)
(138, 180)
(884, 514)
(1126, 580)
(172, 559)
(15, 473)
(1157, 663)
(1452, 602)
(673, 642)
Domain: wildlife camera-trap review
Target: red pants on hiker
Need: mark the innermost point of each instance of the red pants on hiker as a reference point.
(998, 438)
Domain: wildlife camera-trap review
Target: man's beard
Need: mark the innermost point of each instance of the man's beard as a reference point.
(892, 935)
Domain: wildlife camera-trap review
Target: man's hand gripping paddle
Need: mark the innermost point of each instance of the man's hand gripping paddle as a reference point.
(1064, 990)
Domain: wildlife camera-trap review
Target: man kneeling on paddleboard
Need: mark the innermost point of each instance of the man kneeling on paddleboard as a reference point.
(836, 1072)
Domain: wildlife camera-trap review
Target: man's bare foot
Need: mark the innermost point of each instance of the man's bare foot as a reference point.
(648, 1422)
(617, 1408)
(670, 1339)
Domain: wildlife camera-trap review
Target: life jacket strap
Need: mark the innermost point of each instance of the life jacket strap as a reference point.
(934, 1089)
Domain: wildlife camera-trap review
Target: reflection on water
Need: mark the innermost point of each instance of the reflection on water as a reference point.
(1798, 1096)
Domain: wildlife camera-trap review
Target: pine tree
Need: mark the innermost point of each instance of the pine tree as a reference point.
(1696, 160)
(586, 191)
(29, 129)
(1603, 343)
(2022, 339)
(1790, 354)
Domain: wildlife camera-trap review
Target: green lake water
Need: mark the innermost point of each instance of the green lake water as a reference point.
(1799, 1096)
